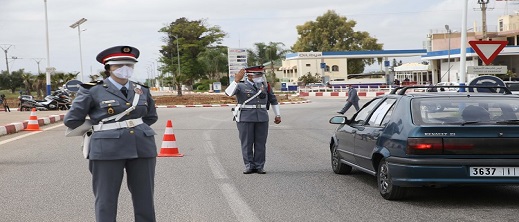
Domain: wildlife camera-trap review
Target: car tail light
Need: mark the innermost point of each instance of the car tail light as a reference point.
(424, 146)
(458, 145)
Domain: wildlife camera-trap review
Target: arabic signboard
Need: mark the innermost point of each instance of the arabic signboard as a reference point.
(487, 70)
(237, 59)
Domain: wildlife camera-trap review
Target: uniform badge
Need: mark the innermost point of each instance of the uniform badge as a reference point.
(138, 91)
(111, 111)
(248, 94)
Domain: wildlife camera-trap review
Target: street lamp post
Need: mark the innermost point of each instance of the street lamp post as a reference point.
(49, 69)
(78, 26)
(449, 54)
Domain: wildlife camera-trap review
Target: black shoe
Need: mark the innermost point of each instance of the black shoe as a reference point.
(340, 113)
(261, 171)
(249, 171)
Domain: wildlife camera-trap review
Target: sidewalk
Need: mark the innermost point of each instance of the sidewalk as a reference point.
(15, 121)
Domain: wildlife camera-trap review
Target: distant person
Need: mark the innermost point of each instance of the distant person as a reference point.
(396, 82)
(3, 101)
(431, 87)
(353, 99)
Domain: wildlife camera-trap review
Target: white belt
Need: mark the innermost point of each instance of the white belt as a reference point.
(118, 125)
(257, 106)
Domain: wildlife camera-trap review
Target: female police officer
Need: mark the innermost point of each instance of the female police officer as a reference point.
(122, 112)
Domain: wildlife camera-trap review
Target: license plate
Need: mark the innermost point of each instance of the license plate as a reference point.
(494, 171)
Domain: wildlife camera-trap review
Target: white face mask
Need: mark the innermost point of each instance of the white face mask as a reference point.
(257, 79)
(124, 72)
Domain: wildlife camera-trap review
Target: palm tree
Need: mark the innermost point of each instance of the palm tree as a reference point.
(27, 82)
(257, 56)
(275, 52)
(39, 84)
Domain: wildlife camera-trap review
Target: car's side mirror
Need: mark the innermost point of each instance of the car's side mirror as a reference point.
(338, 120)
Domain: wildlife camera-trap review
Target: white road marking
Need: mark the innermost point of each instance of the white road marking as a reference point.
(217, 168)
(239, 207)
(209, 149)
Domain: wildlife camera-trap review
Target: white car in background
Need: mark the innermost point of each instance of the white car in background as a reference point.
(453, 89)
(513, 86)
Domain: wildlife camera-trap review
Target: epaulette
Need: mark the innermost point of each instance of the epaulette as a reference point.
(91, 84)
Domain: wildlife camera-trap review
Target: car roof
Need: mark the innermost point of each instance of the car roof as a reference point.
(405, 90)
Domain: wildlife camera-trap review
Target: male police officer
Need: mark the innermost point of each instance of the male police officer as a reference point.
(122, 138)
(255, 96)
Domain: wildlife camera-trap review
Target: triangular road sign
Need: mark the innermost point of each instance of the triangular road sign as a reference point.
(488, 50)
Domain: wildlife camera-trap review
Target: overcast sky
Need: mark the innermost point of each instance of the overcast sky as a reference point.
(398, 24)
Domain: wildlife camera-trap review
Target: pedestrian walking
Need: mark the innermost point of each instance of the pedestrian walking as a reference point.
(353, 99)
(121, 112)
(4, 102)
(254, 96)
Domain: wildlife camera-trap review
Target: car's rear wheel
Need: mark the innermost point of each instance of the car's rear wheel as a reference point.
(385, 183)
(337, 166)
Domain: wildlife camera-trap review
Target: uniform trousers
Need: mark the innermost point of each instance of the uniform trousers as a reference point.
(348, 105)
(253, 137)
(107, 176)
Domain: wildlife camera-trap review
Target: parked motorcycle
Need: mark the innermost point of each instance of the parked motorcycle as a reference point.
(27, 102)
(58, 100)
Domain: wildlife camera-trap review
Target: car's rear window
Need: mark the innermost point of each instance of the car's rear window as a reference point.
(513, 86)
(455, 111)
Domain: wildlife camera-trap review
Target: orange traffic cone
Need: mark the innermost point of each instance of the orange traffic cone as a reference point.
(169, 143)
(33, 124)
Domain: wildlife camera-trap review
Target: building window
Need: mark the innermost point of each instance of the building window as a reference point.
(327, 69)
(335, 68)
(308, 65)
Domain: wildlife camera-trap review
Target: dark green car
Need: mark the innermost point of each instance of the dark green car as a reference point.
(401, 141)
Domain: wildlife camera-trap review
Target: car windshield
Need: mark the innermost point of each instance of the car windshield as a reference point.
(465, 111)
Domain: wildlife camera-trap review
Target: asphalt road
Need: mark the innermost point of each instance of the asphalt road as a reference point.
(43, 177)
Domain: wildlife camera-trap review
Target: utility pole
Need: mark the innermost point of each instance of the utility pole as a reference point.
(6, 48)
(483, 6)
(38, 60)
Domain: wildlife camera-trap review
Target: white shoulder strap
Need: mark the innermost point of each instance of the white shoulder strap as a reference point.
(251, 98)
(120, 115)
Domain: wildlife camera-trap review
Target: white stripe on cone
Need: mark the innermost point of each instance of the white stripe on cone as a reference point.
(169, 144)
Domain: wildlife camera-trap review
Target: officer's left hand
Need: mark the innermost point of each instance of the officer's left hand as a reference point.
(277, 120)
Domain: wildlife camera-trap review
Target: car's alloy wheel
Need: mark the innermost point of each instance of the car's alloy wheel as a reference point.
(337, 166)
(385, 185)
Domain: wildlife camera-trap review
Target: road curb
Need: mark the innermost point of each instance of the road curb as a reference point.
(19, 126)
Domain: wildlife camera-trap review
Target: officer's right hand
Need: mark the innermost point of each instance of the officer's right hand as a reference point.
(239, 76)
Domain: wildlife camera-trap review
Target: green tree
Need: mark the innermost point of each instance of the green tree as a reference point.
(214, 62)
(12, 80)
(193, 38)
(331, 32)
(309, 78)
(258, 55)
(263, 53)
(275, 52)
